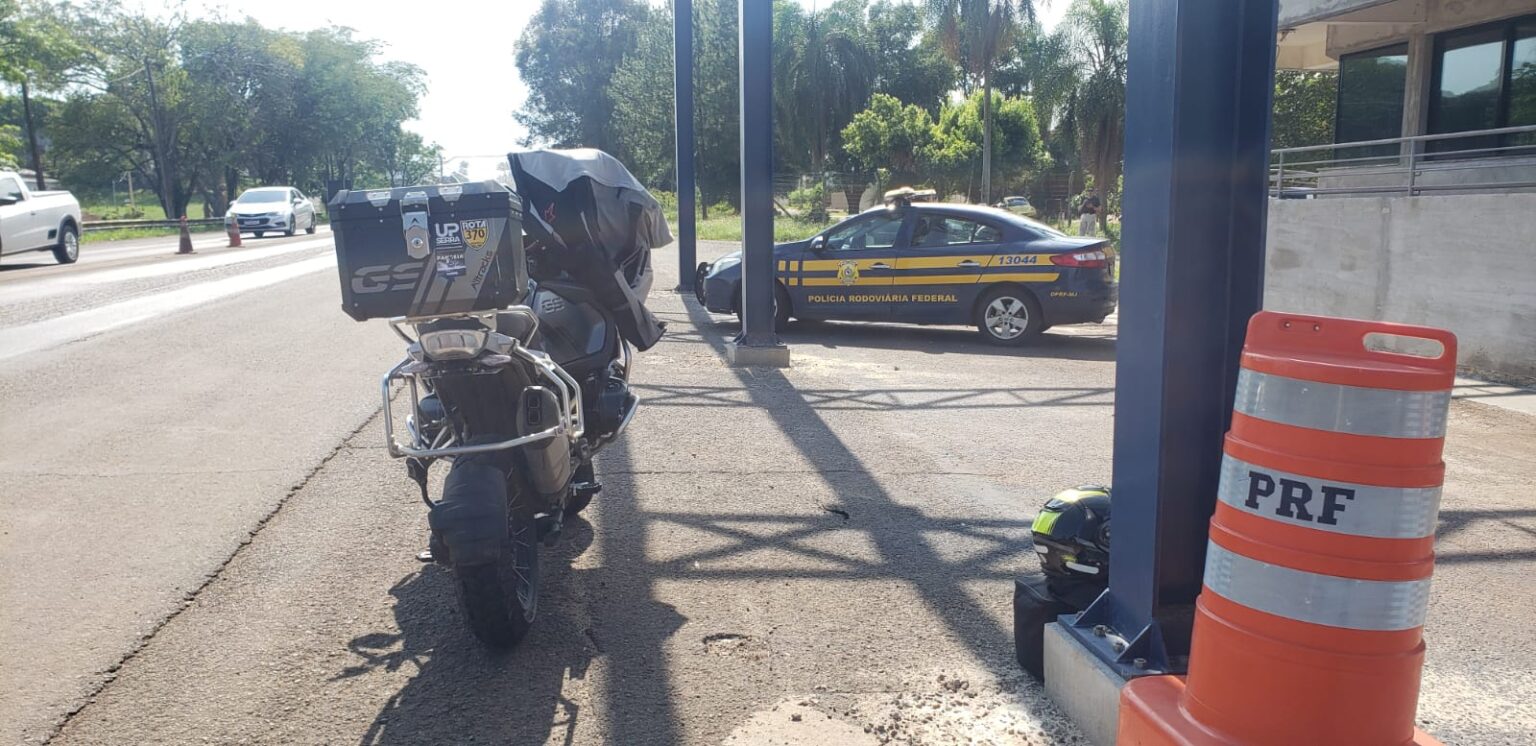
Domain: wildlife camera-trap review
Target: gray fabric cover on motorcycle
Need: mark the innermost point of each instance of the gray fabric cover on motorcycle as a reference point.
(599, 224)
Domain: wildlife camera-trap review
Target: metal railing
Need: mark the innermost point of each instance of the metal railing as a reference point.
(107, 225)
(1419, 164)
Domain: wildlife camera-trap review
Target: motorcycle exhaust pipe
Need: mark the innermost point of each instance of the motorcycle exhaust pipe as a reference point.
(547, 464)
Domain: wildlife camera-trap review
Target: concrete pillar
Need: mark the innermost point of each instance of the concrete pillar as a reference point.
(1416, 93)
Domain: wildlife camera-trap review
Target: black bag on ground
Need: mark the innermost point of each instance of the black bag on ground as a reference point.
(1038, 602)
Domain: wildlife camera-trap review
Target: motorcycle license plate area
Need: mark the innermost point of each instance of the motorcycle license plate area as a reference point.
(429, 250)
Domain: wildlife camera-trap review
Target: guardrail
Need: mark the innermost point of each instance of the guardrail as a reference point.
(107, 225)
(1500, 159)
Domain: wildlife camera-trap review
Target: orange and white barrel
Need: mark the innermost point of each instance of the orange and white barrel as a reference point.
(1309, 626)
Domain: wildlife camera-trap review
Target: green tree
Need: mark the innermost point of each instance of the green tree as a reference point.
(241, 80)
(976, 34)
(717, 109)
(38, 54)
(347, 103)
(646, 111)
(641, 90)
(1042, 67)
(909, 62)
(1096, 32)
(889, 135)
(97, 139)
(1303, 108)
(195, 108)
(823, 76)
(133, 59)
(567, 55)
(958, 138)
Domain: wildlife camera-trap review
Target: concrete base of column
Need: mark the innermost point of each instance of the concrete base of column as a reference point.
(1084, 687)
(756, 356)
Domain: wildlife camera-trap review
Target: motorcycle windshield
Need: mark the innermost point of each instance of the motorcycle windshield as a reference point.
(599, 224)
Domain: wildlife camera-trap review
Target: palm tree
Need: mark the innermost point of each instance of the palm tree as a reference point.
(975, 33)
(1096, 32)
(824, 76)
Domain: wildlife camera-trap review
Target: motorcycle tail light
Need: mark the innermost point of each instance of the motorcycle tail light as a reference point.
(453, 344)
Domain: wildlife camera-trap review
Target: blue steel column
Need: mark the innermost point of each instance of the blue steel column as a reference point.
(1201, 75)
(682, 90)
(756, 55)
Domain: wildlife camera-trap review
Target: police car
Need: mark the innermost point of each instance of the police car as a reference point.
(933, 263)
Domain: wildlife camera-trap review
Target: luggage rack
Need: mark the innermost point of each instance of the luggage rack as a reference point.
(571, 425)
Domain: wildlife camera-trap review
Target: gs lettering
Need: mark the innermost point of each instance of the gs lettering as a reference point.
(382, 277)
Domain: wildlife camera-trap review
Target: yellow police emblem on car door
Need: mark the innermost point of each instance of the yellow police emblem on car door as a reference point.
(848, 273)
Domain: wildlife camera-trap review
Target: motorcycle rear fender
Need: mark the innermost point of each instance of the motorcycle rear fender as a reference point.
(471, 518)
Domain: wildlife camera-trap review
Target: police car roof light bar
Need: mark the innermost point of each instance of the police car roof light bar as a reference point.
(907, 195)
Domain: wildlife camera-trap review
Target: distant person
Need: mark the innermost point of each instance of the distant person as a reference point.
(1088, 212)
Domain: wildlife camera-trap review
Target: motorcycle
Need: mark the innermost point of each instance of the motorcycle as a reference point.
(517, 397)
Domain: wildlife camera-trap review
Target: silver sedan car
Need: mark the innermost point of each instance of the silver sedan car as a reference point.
(275, 209)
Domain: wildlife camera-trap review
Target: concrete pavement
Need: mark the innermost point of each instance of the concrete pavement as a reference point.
(816, 555)
(138, 451)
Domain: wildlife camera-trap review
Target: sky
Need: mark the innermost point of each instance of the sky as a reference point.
(466, 49)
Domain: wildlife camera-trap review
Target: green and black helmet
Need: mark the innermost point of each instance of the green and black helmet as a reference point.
(1071, 534)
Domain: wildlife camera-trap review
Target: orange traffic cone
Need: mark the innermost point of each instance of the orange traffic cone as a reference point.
(186, 238)
(233, 230)
(1309, 626)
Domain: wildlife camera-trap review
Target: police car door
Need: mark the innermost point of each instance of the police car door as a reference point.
(938, 276)
(846, 272)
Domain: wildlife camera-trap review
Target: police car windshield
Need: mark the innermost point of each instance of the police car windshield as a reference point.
(263, 196)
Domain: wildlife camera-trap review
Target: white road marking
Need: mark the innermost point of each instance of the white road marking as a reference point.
(64, 283)
(113, 250)
(42, 335)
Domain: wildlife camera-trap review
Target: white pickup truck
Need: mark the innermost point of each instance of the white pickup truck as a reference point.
(37, 221)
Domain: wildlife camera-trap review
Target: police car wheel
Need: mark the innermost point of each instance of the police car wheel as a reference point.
(780, 307)
(1009, 316)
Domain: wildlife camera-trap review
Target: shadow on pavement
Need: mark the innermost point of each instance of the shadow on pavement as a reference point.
(901, 534)
(611, 611)
(888, 400)
(12, 265)
(463, 693)
(1456, 521)
(1084, 342)
(629, 624)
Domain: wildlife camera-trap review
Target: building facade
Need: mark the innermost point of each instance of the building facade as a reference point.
(1423, 207)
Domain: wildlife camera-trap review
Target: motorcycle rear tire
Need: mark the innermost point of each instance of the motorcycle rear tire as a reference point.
(500, 599)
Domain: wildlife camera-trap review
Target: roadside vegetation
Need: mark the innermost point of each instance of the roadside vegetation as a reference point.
(957, 95)
(197, 110)
(123, 234)
(106, 209)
